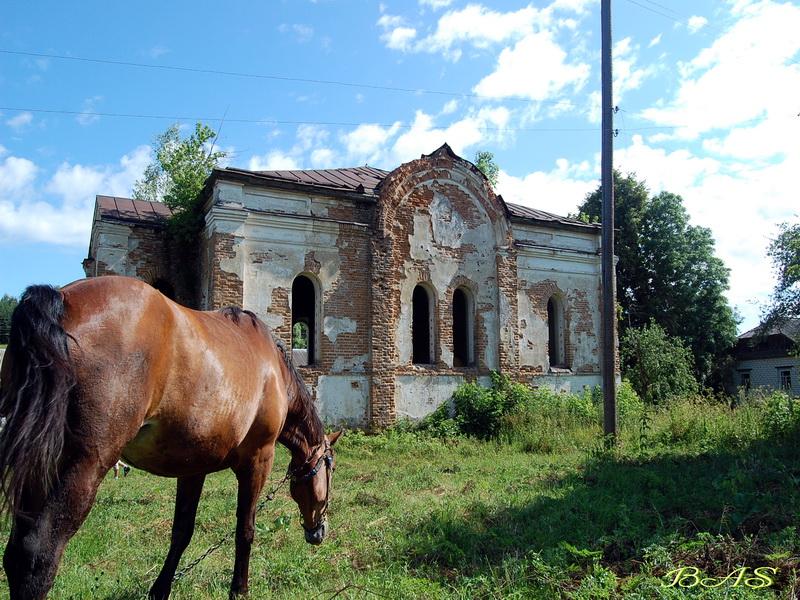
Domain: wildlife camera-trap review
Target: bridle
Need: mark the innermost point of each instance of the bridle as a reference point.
(296, 476)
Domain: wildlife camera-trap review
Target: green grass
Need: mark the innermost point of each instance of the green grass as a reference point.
(540, 515)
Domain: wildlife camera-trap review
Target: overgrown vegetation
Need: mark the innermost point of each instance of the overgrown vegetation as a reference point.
(541, 510)
(668, 272)
(784, 250)
(7, 306)
(484, 160)
(659, 367)
(177, 175)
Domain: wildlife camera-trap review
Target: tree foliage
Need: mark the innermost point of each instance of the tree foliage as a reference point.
(658, 366)
(668, 272)
(485, 162)
(7, 306)
(784, 250)
(178, 173)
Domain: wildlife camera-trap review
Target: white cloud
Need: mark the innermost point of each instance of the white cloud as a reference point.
(743, 75)
(655, 41)
(396, 34)
(302, 33)
(696, 23)
(484, 126)
(388, 146)
(765, 140)
(60, 211)
(450, 107)
(399, 38)
(273, 161)
(435, 4)
(324, 158)
(89, 106)
(158, 51)
(627, 76)
(16, 176)
(739, 201)
(20, 121)
(513, 75)
(558, 191)
(480, 27)
(368, 143)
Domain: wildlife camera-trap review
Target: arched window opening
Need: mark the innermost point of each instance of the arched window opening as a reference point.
(165, 287)
(304, 320)
(421, 325)
(555, 333)
(463, 329)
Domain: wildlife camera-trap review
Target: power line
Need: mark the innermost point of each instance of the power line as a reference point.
(272, 121)
(658, 12)
(667, 8)
(347, 123)
(332, 82)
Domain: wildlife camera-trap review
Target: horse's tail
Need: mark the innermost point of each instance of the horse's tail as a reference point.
(34, 394)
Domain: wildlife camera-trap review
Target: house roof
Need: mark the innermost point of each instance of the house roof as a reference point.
(365, 182)
(360, 180)
(789, 327)
(133, 211)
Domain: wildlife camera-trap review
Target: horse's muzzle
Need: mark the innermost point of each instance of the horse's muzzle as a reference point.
(316, 535)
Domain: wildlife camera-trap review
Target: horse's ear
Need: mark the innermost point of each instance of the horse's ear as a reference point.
(334, 436)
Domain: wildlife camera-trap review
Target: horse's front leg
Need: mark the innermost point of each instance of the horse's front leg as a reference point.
(186, 501)
(252, 477)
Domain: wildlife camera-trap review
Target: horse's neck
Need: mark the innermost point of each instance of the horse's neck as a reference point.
(297, 436)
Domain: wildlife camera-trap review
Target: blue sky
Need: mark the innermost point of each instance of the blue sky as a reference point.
(709, 94)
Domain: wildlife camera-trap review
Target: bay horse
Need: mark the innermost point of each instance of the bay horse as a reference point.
(109, 367)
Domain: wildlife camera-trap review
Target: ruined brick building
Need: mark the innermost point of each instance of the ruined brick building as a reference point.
(407, 283)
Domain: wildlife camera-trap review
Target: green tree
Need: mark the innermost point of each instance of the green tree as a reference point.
(178, 173)
(668, 273)
(784, 250)
(300, 336)
(658, 366)
(7, 306)
(485, 162)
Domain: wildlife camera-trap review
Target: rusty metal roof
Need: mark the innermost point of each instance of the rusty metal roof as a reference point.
(366, 180)
(526, 212)
(134, 211)
(360, 180)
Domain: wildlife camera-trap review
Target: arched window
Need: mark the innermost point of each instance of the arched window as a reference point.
(422, 326)
(304, 320)
(463, 329)
(555, 333)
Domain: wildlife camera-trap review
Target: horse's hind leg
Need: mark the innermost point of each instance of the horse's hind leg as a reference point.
(38, 540)
(186, 501)
(252, 477)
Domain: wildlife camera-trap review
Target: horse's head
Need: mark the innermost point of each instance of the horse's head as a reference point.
(310, 486)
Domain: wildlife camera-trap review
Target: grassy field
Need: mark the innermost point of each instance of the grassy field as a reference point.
(547, 513)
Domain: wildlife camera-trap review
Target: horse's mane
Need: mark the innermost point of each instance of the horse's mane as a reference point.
(234, 313)
(301, 405)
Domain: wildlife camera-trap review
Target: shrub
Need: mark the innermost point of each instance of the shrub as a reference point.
(478, 410)
(658, 366)
(441, 422)
(780, 414)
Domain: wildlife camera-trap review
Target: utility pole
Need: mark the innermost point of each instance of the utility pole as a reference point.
(609, 313)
